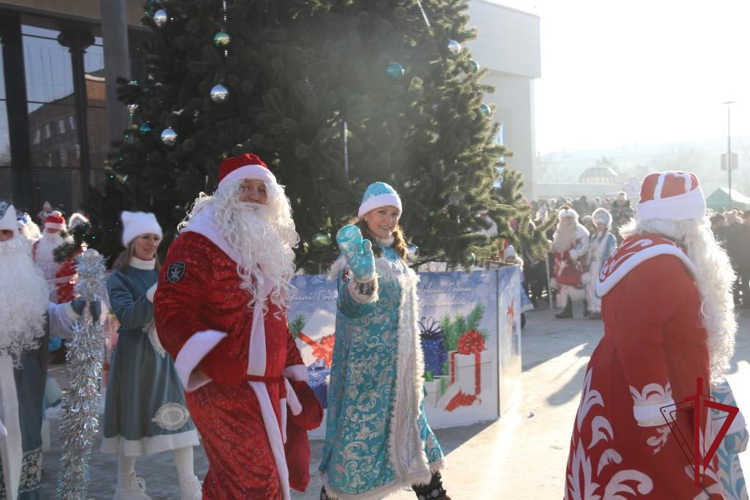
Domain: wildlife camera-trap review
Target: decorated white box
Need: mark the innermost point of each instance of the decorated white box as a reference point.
(465, 366)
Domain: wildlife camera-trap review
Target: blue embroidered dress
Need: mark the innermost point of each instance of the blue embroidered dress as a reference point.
(735, 442)
(145, 410)
(377, 436)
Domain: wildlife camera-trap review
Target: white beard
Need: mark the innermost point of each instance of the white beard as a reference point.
(44, 256)
(262, 236)
(260, 242)
(23, 299)
(565, 237)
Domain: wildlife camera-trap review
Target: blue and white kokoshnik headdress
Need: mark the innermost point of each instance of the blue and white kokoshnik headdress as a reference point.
(379, 194)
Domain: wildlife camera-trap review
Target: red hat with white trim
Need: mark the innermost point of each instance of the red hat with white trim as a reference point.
(671, 195)
(247, 166)
(55, 221)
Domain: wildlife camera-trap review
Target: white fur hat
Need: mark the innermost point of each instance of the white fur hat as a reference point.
(135, 224)
(8, 220)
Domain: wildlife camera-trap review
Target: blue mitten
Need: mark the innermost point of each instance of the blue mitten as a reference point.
(358, 253)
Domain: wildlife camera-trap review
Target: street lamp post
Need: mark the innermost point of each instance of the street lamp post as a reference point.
(729, 148)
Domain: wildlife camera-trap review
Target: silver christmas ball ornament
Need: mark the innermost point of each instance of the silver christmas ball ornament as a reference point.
(169, 137)
(222, 39)
(219, 93)
(160, 18)
(454, 47)
(412, 253)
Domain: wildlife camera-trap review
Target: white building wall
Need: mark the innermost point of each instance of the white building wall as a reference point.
(508, 45)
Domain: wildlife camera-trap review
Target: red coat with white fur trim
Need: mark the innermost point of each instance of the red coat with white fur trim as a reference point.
(205, 311)
(653, 349)
(204, 322)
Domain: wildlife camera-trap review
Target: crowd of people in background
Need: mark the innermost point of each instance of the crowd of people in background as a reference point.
(730, 227)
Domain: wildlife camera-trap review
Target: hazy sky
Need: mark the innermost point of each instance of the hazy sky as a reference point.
(618, 73)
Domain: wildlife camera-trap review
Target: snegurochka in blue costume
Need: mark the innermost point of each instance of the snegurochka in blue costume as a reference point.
(377, 436)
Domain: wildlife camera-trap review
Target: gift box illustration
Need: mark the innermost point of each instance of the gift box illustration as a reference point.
(319, 374)
(433, 345)
(470, 372)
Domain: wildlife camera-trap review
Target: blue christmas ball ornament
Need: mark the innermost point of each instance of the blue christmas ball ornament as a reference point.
(474, 66)
(395, 70)
(485, 109)
(145, 128)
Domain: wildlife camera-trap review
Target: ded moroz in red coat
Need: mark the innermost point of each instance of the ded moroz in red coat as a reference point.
(234, 363)
(653, 349)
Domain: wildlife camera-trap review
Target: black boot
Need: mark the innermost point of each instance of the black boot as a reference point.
(586, 311)
(567, 312)
(433, 490)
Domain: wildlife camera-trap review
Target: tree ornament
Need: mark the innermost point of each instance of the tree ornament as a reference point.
(132, 108)
(321, 240)
(219, 93)
(485, 109)
(468, 259)
(160, 18)
(395, 70)
(454, 47)
(412, 253)
(222, 39)
(474, 66)
(169, 137)
(145, 128)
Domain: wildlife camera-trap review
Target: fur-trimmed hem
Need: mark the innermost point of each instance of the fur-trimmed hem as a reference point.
(150, 445)
(382, 491)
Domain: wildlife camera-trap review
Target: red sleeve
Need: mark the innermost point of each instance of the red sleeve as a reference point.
(652, 294)
(201, 352)
(311, 415)
(293, 357)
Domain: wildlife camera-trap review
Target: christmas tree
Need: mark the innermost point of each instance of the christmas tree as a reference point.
(332, 95)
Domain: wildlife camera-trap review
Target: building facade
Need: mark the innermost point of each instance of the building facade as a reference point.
(56, 96)
(508, 45)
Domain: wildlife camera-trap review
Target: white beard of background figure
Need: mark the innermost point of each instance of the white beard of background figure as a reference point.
(570, 244)
(24, 305)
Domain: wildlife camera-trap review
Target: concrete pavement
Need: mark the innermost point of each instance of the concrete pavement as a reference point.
(521, 456)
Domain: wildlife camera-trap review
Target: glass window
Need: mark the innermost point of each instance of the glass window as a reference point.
(72, 122)
(47, 149)
(4, 135)
(49, 70)
(61, 126)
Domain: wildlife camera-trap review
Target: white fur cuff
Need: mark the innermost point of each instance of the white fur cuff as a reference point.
(364, 293)
(150, 293)
(191, 354)
(298, 373)
(649, 415)
(70, 313)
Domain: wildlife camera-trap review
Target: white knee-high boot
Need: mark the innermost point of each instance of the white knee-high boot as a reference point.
(129, 486)
(190, 486)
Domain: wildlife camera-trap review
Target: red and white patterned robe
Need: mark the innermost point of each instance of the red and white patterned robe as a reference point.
(653, 349)
(574, 259)
(233, 363)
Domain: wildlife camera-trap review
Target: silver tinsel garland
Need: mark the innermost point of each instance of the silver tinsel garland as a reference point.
(79, 423)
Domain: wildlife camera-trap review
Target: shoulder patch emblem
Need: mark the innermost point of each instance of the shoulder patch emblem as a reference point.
(175, 271)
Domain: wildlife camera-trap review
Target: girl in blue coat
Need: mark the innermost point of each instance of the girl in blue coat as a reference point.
(377, 436)
(145, 411)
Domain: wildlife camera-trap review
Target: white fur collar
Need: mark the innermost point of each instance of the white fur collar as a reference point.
(146, 265)
(204, 223)
(633, 252)
(385, 242)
